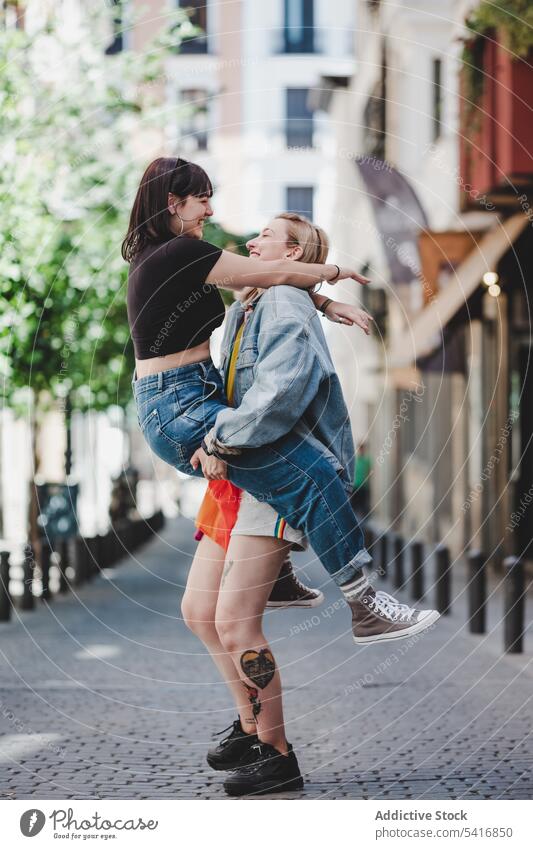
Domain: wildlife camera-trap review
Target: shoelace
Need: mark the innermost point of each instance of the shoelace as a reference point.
(295, 578)
(218, 733)
(394, 601)
(388, 606)
(299, 584)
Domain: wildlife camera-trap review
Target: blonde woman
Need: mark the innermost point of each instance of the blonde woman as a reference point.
(279, 378)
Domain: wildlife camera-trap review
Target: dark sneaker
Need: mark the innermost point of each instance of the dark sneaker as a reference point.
(231, 751)
(269, 772)
(288, 591)
(378, 616)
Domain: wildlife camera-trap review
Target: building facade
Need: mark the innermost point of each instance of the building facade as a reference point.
(439, 212)
(239, 96)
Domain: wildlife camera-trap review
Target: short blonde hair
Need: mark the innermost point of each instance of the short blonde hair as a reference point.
(310, 238)
(301, 232)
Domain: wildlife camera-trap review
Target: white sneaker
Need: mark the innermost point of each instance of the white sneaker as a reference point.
(378, 616)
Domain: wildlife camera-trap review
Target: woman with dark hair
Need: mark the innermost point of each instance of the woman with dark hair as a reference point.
(173, 307)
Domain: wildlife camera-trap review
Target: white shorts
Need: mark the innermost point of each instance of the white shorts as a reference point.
(259, 519)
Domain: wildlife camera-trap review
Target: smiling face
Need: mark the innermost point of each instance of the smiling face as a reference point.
(189, 215)
(272, 242)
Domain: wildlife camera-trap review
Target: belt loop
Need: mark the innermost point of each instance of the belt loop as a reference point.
(160, 380)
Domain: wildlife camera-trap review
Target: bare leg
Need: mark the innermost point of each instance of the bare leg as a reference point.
(198, 607)
(252, 566)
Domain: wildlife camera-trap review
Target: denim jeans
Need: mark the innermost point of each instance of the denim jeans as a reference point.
(177, 407)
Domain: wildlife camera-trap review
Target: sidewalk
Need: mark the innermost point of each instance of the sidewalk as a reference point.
(108, 695)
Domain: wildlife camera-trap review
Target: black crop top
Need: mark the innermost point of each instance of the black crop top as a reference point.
(170, 306)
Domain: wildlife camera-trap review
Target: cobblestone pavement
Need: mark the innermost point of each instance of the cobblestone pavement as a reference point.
(107, 695)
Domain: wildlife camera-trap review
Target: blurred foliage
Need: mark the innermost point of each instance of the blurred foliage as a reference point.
(511, 21)
(216, 234)
(70, 120)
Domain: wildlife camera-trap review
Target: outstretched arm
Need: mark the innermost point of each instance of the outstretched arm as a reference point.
(232, 271)
(341, 313)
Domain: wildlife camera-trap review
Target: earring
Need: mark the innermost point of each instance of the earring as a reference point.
(175, 212)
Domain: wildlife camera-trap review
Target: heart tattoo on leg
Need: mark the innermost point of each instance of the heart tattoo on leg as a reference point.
(259, 667)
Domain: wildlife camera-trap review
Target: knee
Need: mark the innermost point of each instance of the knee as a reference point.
(199, 618)
(235, 636)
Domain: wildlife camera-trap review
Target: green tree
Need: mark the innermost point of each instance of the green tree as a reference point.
(216, 234)
(509, 20)
(70, 119)
(70, 116)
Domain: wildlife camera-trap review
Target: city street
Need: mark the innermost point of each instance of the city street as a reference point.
(106, 694)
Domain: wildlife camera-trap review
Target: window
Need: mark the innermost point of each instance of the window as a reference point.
(375, 114)
(300, 199)
(299, 26)
(437, 98)
(299, 128)
(11, 14)
(194, 118)
(117, 45)
(197, 10)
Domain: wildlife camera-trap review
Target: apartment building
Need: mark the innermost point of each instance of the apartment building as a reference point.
(434, 195)
(239, 99)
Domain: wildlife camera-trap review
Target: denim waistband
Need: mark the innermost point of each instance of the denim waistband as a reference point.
(163, 379)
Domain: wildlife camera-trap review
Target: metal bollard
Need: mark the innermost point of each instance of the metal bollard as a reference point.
(115, 555)
(46, 553)
(397, 557)
(27, 600)
(5, 598)
(122, 541)
(383, 554)
(443, 580)
(80, 561)
(370, 536)
(100, 552)
(417, 570)
(391, 555)
(64, 563)
(92, 556)
(109, 549)
(477, 592)
(514, 606)
(370, 539)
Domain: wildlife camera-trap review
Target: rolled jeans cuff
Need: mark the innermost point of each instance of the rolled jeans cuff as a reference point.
(352, 569)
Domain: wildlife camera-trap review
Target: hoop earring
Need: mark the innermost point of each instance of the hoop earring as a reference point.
(181, 222)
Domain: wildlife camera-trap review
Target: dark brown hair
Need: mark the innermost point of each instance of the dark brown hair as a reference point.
(150, 218)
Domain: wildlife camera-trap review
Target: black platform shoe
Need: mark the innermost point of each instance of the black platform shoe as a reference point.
(269, 772)
(231, 751)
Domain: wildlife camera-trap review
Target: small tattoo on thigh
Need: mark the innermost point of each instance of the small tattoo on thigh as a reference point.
(226, 571)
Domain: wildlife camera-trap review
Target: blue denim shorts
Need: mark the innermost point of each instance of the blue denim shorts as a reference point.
(177, 407)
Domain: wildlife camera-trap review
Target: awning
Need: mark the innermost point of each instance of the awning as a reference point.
(424, 333)
(399, 216)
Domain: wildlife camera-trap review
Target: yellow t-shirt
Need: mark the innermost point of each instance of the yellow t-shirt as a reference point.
(230, 372)
(281, 524)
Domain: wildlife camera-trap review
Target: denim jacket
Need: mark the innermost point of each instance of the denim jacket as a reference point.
(285, 380)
